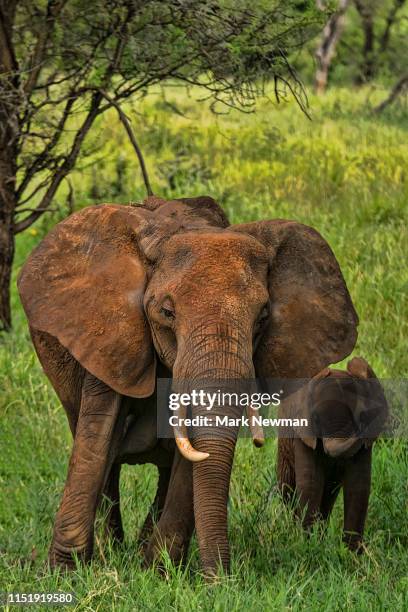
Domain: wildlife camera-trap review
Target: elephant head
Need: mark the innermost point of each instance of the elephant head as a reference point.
(345, 409)
(123, 286)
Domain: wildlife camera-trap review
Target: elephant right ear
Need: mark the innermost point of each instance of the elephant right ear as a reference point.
(84, 284)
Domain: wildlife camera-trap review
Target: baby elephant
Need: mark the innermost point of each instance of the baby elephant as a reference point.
(346, 412)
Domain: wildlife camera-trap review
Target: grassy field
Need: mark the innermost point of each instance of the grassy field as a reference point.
(345, 173)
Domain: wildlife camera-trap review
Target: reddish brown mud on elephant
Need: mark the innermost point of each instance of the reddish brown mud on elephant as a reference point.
(125, 290)
(345, 412)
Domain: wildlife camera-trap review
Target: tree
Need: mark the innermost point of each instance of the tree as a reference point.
(327, 46)
(65, 62)
(377, 21)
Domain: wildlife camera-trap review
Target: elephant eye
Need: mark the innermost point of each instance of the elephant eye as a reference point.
(169, 314)
(263, 316)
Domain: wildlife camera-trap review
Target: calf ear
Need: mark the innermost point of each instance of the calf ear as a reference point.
(84, 284)
(371, 408)
(299, 406)
(313, 322)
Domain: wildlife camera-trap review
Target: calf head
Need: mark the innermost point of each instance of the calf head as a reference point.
(345, 409)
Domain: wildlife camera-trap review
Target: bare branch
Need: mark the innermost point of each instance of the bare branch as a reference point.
(42, 158)
(391, 19)
(65, 168)
(54, 8)
(70, 196)
(36, 210)
(399, 88)
(128, 128)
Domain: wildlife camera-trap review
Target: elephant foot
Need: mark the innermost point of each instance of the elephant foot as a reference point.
(65, 557)
(173, 545)
(353, 542)
(69, 546)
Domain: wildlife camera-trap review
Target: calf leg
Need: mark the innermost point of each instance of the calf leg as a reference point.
(98, 432)
(309, 482)
(330, 493)
(286, 469)
(357, 483)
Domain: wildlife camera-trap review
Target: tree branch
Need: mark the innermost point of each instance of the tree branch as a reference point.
(128, 128)
(391, 18)
(398, 89)
(54, 8)
(36, 209)
(65, 167)
(41, 159)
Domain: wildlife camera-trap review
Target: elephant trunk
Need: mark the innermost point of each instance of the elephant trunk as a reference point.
(226, 357)
(211, 480)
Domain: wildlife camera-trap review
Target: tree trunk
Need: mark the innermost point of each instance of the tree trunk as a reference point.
(327, 47)
(9, 102)
(7, 206)
(366, 13)
(390, 21)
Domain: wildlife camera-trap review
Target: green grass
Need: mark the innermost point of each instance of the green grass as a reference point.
(345, 173)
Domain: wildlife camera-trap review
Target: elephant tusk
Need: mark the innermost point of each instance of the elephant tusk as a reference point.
(256, 430)
(183, 443)
(188, 451)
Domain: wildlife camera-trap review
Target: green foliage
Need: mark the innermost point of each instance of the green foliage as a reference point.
(76, 55)
(215, 42)
(345, 174)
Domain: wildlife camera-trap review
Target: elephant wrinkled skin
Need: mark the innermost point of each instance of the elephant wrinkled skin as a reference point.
(114, 293)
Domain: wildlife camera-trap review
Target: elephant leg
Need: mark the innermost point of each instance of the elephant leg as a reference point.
(156, 508)
(330, 493)
(310, 480)
(111, 501)
(98, 432)
(64, 372)
(176, 524)
(356, 490)
(286, 469)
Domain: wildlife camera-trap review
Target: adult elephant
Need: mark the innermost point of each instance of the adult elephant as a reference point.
(113, 291)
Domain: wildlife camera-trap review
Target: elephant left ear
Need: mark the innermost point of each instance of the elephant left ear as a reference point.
(313, 322)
